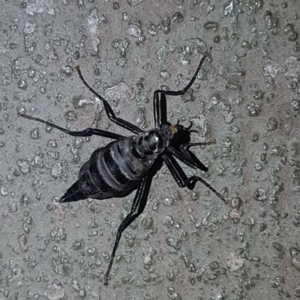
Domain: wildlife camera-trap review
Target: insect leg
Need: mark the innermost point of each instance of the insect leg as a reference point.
(191, 181)
(188, 159)
(159, 96)
(86, 132)
(137, 208)
(189, 145)
(182, 180)
(175, 169)
(159, 108)
(185, 149)
(109, 112)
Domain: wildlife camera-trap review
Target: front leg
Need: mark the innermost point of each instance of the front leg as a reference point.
(182, 180)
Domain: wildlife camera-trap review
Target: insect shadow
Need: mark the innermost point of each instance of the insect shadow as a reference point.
(129, 163)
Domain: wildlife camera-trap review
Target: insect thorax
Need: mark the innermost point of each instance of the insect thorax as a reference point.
(150, 144)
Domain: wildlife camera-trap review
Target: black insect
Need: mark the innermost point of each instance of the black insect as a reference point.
(129, 163)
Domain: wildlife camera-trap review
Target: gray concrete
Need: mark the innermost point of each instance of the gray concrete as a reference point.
(186, 245)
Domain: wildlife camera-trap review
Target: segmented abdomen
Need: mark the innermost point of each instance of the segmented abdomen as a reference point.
(111, 171)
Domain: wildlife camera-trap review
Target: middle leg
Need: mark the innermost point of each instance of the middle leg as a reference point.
(109, 111)
(159, 96)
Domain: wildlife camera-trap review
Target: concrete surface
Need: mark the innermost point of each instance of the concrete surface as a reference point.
(186, 245)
